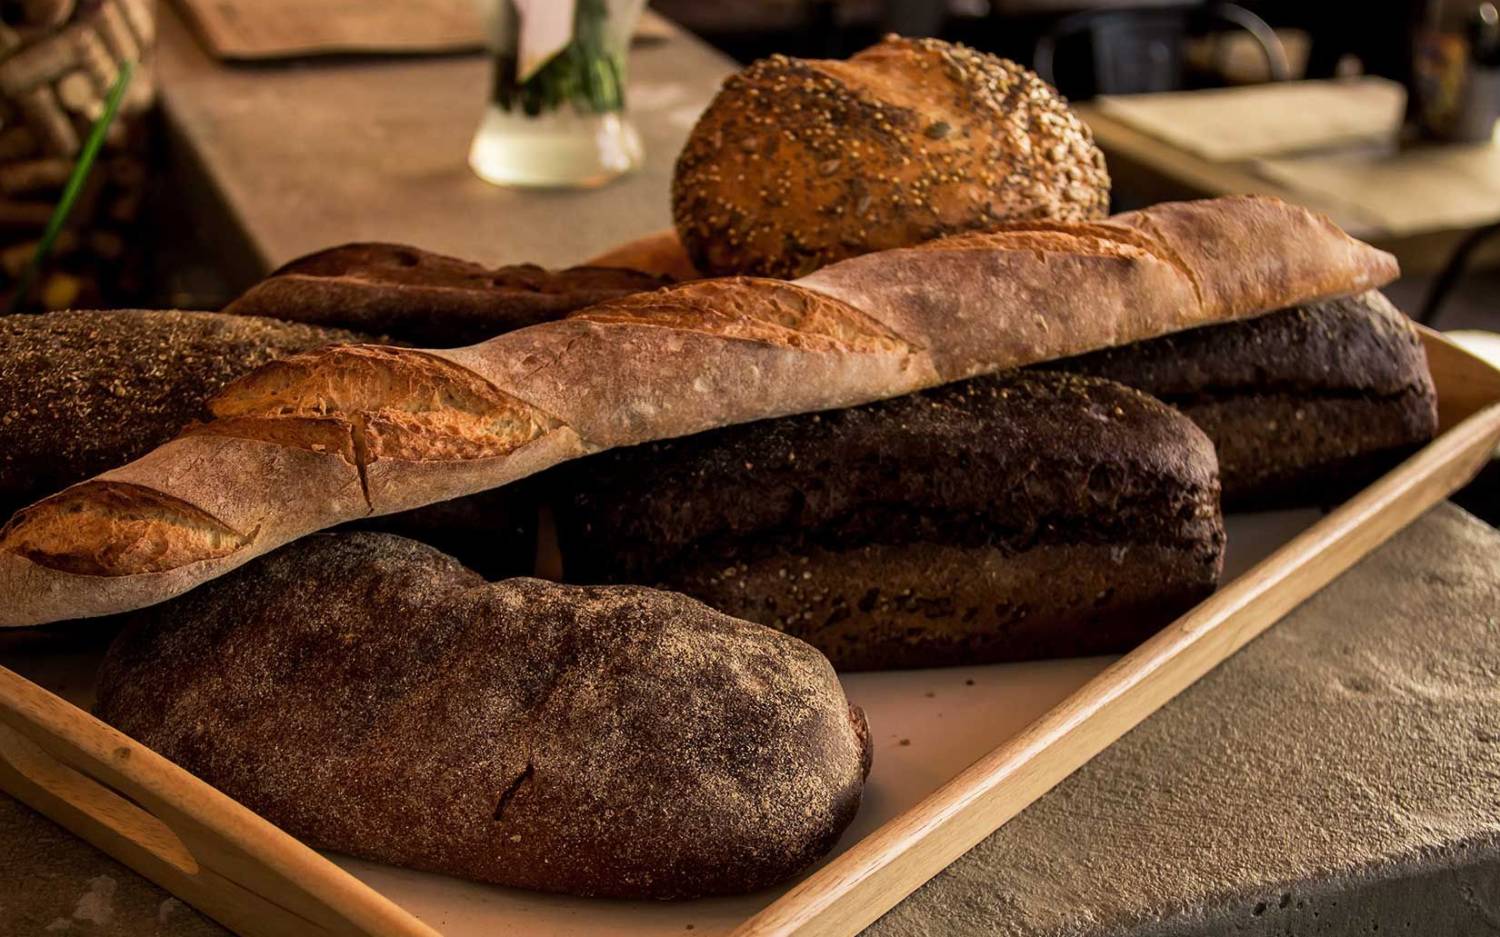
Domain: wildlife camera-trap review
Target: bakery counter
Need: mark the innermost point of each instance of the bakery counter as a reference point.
(1327, 776)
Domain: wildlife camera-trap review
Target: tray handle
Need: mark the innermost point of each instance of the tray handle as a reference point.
(176, 830)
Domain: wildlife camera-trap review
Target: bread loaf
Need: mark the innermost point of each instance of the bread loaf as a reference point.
(797, 164)
(1304, 406)
(1003, 518)
(83, 391)
(429, 299)
(371, 696)
(319, 439)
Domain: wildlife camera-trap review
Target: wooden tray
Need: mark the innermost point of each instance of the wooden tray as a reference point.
(236, 867)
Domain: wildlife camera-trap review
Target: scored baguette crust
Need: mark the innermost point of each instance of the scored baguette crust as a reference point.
(328, 437)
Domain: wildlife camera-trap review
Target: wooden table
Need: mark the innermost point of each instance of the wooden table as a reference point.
(278, 160)
(1145, 169)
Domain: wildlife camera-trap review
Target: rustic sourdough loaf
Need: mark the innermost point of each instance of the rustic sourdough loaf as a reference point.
(319, 439)
(371, 696)
(1003, 518)
(1304, 406)
(799, 163)
(429, 299)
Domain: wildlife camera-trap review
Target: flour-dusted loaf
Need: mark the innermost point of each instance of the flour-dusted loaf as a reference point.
(800, 163)
(83, 391)
(1304, 406)
(429, 299)
(1004, 518)
(370, 695)
(320, 439)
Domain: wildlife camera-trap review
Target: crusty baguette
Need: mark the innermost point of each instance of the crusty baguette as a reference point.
(318, 439)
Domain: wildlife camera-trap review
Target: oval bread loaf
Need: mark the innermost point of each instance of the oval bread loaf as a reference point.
(371, 696)
(799, 163)
(1005, 518)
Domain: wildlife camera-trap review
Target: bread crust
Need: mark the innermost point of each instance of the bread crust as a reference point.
(371, 696)
(799, 163)
(1304, 405)
(429, 299)
(672, 362)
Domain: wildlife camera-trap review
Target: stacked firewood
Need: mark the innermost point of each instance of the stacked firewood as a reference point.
(58, 60)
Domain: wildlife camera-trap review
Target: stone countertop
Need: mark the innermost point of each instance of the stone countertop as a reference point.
(1338, 776)
(281, 159)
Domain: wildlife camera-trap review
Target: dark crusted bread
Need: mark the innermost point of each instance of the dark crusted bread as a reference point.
(81, 392)
(372, 696)
(429, 299)
(1304, 406)
(1002, 518)
(799, 163)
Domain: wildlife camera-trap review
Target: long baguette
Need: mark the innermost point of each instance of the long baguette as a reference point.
(311, 441)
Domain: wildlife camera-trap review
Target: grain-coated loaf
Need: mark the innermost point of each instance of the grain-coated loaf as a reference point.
(320, 439)
(429, 299)
(370, 695)
(1003, 518)
(83, 391)
(1304, 406)
(799, 163)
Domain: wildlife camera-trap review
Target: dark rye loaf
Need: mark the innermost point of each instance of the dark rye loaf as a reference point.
(81, 392)
(372, 696)
(1002, 518)
(429, 299)
(1305, 406)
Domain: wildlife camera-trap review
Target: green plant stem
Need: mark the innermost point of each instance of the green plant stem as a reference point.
(74, 186)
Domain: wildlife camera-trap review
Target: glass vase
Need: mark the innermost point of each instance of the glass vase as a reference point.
(561, 123)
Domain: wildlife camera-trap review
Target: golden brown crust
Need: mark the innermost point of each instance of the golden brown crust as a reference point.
(431, 425)
(800, 163)
(102, 528)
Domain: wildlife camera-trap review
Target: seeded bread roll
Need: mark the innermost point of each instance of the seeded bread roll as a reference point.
(83, 391)
(1004, 518)
(371, 696)
(1305, 406)
(798, 163)
(429, 299)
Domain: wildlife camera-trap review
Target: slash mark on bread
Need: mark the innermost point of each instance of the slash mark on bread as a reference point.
(101, 528)
(512, 789)
(369, 402)
(753, 309)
